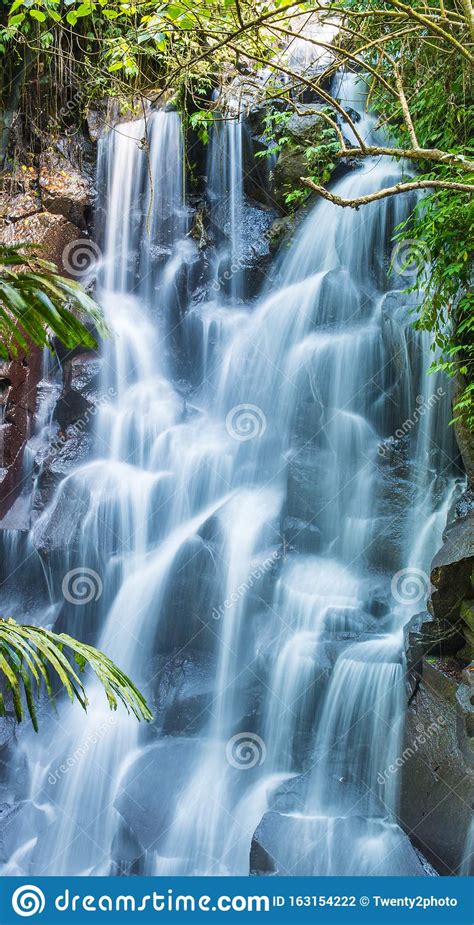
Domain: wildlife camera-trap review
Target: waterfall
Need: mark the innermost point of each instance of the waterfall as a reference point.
(248, 532)
(225, 192)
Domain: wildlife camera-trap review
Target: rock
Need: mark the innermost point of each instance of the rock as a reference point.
(169, 762)
(18, 387)
(77, 402)
(306, 124)
(451, 572)
(185, 692)
(7, 730)
(64, 190)
(300, 535)
(287, 172)
(191, 595)
(256, 170)
(253, 259)
(98, 119)
(308, 846)
(462, 506)
(437, 783)
(20, 195)
(72, 407)
(279, 230)
(53, 231)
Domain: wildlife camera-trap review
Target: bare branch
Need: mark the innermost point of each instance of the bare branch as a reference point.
(307, 83)
(384, 193)
(430, 24)
(412, 154)
(405, 109)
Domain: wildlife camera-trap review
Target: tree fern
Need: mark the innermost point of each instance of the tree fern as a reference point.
(36, 303)
(29, 653)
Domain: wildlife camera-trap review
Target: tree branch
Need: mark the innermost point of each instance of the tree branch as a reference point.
(412, 154)
(433, 27)
(405, 109)
(388, 191)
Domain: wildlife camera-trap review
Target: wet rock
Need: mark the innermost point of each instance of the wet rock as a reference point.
(307, 846)
(7, 730)
(287, 172)
(98, 118)
(451, 570)
(191, 596)
(186, 688)
(64, 523)
(306, 124)
(64, 190)
(463, 505)
(72, 407)
(279, 230)
(148, 819)
(18, 388)
(256, 169)
(300, 535)
(55, 232)
(437, 782)
(253, 261)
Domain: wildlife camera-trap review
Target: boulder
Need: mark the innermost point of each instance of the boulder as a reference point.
(72, 407)
(64, 190)
(160, 771)
(186, 690)
(299, 844)
(53, 232)
(18, 388)
(437, 782)
(451, 570)
(306, 124)
(287, 172)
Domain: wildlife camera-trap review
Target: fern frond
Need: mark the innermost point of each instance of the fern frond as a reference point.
(26, 654)
(37, 303)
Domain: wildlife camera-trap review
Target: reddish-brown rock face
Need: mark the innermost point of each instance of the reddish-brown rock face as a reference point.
(18, 383)
(47, 207)
(64, 191)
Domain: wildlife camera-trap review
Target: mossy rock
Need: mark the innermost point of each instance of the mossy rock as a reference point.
(289, 168)
(306, 125)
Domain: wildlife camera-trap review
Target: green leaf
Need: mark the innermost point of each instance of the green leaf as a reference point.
(85, 9)
(26, 652)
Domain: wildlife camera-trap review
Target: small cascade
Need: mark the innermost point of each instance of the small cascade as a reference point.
(244, 542)
(226, 192)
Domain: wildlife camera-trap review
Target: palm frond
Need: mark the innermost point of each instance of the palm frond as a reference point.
(36, 303)
(28, 653)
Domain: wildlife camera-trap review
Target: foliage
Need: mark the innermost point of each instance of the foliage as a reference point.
(29, 653)
(444, 224)
(36, 303)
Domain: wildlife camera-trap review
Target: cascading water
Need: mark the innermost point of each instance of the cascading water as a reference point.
(248, 540)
